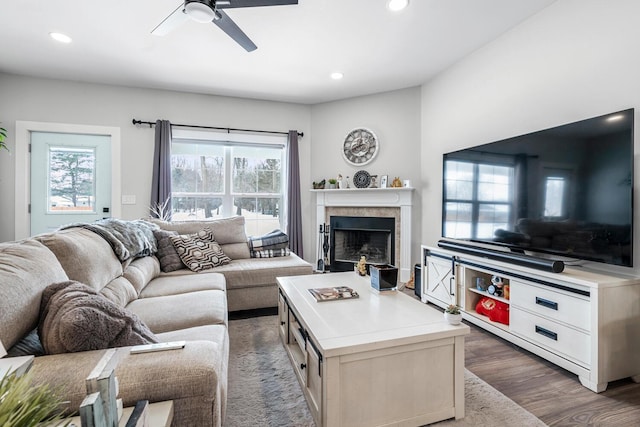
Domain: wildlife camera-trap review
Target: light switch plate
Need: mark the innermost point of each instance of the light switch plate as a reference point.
(129, 200)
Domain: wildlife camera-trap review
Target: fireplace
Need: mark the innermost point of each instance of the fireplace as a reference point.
(370, 202)
(352, 237)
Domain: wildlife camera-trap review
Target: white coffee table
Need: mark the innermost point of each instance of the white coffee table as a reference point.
(382, 359)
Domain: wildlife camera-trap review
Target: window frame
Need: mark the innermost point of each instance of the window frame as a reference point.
(228, 141)
(474, 201)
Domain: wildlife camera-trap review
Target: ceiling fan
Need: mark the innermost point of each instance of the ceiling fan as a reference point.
(211, 11)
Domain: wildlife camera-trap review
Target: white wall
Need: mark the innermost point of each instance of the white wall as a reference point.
(395, 119)
(42, 100)
(574, 60)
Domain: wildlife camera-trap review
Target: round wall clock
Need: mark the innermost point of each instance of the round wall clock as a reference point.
(360, 146)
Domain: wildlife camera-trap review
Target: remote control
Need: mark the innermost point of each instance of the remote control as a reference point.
(161, 346)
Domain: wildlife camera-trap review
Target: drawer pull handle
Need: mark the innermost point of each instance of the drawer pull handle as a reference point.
(547, 333)
(282, 323)
(303, 365)
(546, 303)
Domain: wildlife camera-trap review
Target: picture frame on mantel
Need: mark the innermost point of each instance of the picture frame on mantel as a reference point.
(383, 181)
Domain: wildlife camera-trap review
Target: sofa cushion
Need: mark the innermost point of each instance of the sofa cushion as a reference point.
(252, 272)
(84, 255)
(75, 318)
(183, 283)
(26, 269)
(167, 254)
(228, 232)
(182, 311)
(141, 271)
(199, 251)
(119, 291)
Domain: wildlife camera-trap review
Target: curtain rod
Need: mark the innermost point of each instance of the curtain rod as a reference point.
(151, 124)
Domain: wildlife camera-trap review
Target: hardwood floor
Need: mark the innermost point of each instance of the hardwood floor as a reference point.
(552, 394)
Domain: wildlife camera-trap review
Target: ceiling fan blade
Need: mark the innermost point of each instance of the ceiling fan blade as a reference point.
(226, 24)
(232, 4)
(171, 22)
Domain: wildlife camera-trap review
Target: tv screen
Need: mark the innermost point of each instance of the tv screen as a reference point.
(565, 191)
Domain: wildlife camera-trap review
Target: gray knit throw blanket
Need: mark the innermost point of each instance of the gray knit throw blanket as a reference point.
(128, 239)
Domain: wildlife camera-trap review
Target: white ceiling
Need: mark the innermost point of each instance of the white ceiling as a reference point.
(298, 46)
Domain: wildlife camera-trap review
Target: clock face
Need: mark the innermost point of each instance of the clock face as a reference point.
(360, 146)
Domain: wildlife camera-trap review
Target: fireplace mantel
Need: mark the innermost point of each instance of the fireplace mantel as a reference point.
(400, 198)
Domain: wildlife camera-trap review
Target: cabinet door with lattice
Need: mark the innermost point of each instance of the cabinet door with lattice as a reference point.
(440, 284)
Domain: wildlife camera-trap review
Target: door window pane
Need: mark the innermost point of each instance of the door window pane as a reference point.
(71, 180)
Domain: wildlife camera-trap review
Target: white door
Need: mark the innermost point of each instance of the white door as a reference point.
(70, 179)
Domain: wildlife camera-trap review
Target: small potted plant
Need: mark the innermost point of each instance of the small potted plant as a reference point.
(452, 314)
(332, 182)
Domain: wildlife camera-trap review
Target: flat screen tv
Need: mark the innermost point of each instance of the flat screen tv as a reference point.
(564, 192)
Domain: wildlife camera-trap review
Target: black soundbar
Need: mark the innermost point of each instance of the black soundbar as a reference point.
(523, 260)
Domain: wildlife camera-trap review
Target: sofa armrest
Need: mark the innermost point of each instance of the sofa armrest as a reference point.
(188, 376)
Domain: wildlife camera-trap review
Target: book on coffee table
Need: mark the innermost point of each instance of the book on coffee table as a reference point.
(333, 294)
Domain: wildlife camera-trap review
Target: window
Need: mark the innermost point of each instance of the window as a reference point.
(71, 179)
(220, 175)
(478, 198)
(557, 182)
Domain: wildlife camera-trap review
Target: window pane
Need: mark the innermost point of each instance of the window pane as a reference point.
(490, 218)
(494, 183)
(71, 179)
(457, 223)
(262, 215)
(458, 180)
(256, 169)
(196, 207)
(554, 195)
(197, 167)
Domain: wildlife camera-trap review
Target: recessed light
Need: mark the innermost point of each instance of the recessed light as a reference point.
(62, 38)
(397, 5)
(337, 75)
(615, 118)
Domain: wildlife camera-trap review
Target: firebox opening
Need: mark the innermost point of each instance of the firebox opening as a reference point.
(353, 237)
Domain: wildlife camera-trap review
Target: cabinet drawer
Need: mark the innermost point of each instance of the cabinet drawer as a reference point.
(565, 308)
(553, 336)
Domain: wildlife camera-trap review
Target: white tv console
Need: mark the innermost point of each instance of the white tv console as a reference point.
(583, 321)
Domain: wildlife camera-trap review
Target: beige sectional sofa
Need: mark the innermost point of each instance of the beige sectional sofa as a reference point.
(180, 305)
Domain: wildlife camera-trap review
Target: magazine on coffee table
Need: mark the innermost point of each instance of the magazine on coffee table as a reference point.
(333, 294)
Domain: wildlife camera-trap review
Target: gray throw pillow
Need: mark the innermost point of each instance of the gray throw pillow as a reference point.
(199, 251)
(29, 345)
(167, 255)
(73, 317)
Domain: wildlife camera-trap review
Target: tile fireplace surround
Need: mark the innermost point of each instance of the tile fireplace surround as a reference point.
(371, 202)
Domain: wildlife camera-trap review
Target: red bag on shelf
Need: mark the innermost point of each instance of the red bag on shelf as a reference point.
(497, 311)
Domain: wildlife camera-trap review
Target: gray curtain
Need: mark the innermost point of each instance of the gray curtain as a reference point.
(161, 183)
(294, 224)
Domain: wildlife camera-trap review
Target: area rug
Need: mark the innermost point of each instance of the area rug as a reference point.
(263, 389)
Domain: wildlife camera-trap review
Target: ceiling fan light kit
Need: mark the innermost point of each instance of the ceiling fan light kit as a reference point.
(200, 11)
